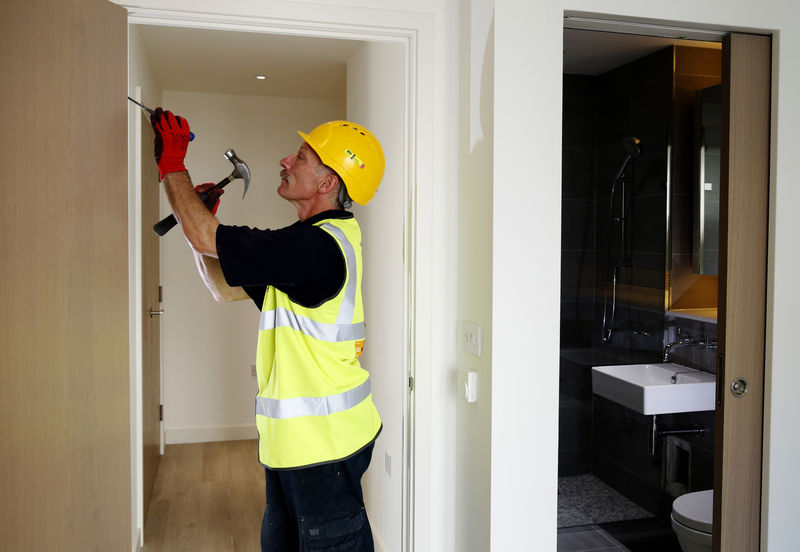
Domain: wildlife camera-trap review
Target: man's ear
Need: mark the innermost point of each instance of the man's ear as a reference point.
(329, 184)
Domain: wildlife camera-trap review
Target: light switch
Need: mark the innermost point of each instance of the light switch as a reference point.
(471, 387)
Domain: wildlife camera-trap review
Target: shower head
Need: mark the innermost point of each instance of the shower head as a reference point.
(631, 146)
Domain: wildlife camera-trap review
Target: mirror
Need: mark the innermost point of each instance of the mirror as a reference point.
(694, 184)
(708, 139)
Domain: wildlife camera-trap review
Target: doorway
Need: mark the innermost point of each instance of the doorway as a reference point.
(629, 294)
(362, 75)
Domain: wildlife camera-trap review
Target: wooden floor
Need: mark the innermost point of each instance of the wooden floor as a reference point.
(208, 497)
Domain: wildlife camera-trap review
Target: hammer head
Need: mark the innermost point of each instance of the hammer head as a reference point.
(240, 169)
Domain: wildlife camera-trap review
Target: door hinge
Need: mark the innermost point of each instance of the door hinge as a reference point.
(160, 294)
(410, 383)
(161, 413)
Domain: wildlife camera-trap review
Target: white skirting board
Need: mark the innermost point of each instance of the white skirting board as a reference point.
(208, 434)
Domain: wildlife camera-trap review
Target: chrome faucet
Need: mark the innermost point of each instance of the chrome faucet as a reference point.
(685, 340)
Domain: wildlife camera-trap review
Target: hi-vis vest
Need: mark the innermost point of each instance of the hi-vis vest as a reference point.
(314, 402)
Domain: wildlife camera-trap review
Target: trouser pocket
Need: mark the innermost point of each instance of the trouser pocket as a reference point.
(349, 533)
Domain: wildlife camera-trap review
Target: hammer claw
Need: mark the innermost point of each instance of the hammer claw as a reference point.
(240, 169)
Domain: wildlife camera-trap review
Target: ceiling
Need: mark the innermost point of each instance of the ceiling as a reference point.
(595, 52)
(227, 62)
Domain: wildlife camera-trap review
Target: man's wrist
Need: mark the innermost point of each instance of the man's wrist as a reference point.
(166, 168)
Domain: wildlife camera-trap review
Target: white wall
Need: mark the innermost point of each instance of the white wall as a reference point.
(473, 257)
(527, 117)
(376, 97)
(209, 347)
(525, 308)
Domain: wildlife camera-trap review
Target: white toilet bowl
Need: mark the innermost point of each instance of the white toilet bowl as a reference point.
(692, 515)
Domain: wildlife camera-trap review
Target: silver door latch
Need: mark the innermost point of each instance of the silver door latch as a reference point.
(739, 387)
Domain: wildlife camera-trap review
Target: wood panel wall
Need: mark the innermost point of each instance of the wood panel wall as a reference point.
(64, 398)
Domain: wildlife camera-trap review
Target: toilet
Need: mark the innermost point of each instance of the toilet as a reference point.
(692, 515)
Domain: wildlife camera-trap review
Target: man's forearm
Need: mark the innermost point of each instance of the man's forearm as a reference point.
(211, 273)
(199, 225)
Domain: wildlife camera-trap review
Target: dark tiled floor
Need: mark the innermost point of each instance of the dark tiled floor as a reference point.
(584, 500)
(590, 538)
(638, 535)
(643, 535)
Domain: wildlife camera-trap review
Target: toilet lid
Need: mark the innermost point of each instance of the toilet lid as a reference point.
(695, 510)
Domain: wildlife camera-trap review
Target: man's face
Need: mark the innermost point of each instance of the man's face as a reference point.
(301, 174)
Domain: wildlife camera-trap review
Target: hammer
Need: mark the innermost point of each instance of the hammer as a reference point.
(240, 170)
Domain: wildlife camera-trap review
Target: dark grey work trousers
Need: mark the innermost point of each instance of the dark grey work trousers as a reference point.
(317, 508)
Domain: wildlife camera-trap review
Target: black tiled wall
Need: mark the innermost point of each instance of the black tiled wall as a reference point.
(578, 206)
(637, 101)
(577, 273)
(621, 454)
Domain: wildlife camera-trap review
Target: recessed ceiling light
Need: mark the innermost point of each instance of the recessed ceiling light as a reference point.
(261, 77)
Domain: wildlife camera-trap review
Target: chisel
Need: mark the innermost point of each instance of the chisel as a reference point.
(150, 112)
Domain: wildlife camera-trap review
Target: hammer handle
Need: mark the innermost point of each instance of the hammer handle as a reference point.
(165, 225)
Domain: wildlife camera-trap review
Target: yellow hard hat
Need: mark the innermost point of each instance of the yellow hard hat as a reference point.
(353, 152)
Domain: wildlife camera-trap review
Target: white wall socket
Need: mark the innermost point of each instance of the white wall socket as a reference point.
(472, 337)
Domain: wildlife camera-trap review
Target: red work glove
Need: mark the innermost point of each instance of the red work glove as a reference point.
(172, 139)
(212, 201)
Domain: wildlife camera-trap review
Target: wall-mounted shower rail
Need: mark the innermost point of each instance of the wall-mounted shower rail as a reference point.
(631, 147)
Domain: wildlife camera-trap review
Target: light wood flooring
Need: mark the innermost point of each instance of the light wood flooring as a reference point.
(207, 497)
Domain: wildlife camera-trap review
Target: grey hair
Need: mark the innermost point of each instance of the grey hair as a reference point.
(344, 197)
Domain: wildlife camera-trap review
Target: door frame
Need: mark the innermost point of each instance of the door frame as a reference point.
(412, 31)
(598, 22)
(136, 316)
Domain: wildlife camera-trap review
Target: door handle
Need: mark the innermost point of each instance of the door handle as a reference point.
(739, 387)
(153, 313)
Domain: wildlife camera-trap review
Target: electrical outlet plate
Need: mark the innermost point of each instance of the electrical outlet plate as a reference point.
(472, 337)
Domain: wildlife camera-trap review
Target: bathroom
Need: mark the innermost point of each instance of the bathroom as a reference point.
(641, 133)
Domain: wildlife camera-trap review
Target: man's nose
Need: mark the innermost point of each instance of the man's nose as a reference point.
(286, 162)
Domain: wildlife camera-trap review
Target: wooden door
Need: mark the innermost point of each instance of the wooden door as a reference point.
(65, 454)
(151, 326)
(743, 261)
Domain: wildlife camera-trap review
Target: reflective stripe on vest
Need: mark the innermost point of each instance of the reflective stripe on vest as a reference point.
(343, 330)
(312, 406)
(349, 300)
(283, 318)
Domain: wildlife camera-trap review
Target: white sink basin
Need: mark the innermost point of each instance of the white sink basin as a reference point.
(665, 388)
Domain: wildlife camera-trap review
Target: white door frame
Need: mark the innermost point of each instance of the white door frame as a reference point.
(366, 25)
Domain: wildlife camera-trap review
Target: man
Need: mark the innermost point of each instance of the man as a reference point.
(316, 420)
